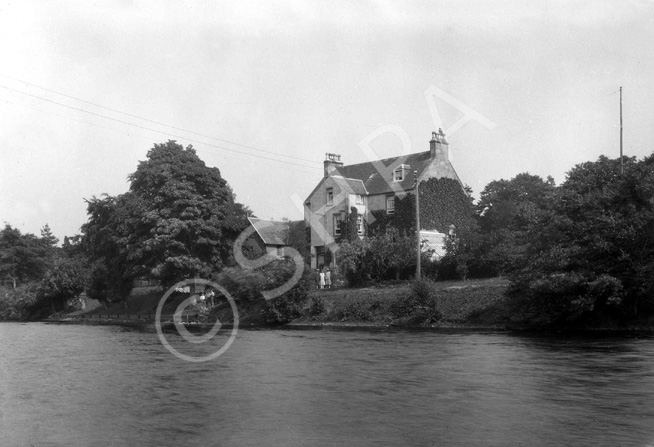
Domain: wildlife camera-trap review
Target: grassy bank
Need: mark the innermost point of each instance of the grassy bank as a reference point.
(450, 304)
(453, 304)
(458, 303)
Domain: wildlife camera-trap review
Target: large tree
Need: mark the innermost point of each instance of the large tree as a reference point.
(178, 220)
(506, 210)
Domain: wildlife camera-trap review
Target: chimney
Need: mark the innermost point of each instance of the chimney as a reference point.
(332, 163)
(438, 146)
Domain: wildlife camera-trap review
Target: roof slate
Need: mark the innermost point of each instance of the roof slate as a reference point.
(355, 186)
(380, 181)
(270, 231)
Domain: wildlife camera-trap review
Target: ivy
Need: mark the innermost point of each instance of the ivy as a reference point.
(442, 203)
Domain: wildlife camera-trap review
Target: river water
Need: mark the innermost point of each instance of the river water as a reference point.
(115, 386)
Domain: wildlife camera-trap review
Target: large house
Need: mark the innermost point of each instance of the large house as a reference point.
(369, 187)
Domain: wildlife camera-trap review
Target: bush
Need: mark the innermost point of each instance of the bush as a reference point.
(244, 285)
(19, 303)
(562, 299)
(418, 307)
(317, 306)
(355, 311)
(289, 306)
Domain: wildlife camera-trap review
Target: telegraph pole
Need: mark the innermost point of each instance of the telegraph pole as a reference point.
(415, 185)
(621, 163)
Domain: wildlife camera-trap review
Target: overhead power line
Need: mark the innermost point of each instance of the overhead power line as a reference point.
(150, 120)
(162, 132)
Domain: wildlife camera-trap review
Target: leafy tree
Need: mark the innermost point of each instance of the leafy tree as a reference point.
(178, 220)
(64, 281)
(297, 238)
(506, 210)
(47, 237)
(189, 219)
(107, 238)
(72, 246)
(593, 251)
(23, 257)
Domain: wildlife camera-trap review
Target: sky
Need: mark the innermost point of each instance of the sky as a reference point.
(263, 89)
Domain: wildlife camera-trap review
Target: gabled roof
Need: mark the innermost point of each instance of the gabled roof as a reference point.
(351, 185)
(380, 181)
(270, 231)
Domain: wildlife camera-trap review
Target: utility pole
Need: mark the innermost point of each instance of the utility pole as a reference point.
(415, 186)
(621, 163)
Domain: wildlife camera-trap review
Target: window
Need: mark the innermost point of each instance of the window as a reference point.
(330, 196)
(390, 204)
(280, 251)
(358, 199)
(338, 225)
(400, 172)
(360, 224)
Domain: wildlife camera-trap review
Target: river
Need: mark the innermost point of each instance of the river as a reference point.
(83, 385)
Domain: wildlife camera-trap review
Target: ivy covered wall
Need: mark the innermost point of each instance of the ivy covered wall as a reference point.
(442, 203)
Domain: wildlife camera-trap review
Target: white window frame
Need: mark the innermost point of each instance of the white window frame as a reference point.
(280, 251)
(338, 229)
(330, 196)
(358, 199)
(390, 200)
(359, 224)
(398, 174)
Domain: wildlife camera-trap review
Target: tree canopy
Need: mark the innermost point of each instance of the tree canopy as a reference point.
(178, 220)
(592, 251)
(23, 257)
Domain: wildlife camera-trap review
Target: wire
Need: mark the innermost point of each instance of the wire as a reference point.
(308, 170)
(153, 130)
(149, 120)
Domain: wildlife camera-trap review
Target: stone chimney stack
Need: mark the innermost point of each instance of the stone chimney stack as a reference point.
(438, 146)
(332, 163)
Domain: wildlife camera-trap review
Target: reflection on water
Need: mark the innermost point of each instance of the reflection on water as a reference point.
(104, 385)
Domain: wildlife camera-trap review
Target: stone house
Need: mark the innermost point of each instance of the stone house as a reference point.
(369, 187)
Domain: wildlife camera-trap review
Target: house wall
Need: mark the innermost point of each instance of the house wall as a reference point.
(377, 202)
(320, 216)
(253, 246)
(439, 168)
(272, 250)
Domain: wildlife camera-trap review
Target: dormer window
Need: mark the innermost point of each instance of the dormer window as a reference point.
(400, 172)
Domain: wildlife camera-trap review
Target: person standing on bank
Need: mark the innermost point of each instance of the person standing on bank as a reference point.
(328, 279)
(322, 279)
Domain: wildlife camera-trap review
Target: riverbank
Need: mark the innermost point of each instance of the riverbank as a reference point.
(473, 304)
(470, 304)
(454, 304)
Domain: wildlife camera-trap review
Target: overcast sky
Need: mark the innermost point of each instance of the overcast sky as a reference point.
(263, 89)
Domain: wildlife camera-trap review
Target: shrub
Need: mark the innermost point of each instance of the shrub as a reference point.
(289, 306)
(354, 311)
(317, 306)
(418, 306)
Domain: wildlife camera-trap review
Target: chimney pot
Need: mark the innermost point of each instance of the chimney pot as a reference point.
(332, 163)
(438, 146)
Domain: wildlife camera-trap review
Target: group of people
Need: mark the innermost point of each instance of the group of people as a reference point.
(204, 302)
(325, 279)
